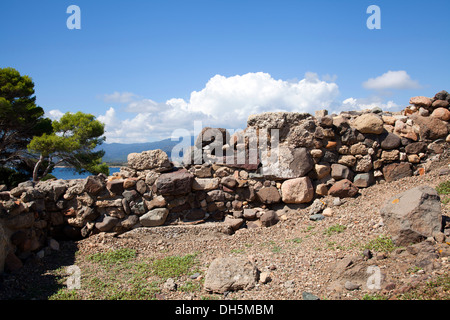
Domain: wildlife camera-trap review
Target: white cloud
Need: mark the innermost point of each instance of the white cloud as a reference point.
(223, 102)
(119, 97)
(392, 80)
(54, 114)
(368, 103)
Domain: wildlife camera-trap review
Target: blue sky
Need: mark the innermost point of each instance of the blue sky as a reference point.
(146, 68)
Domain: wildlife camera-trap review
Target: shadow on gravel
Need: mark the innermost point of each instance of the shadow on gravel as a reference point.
(39, 279)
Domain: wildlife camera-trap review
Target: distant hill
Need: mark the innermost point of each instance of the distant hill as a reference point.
(116, 153)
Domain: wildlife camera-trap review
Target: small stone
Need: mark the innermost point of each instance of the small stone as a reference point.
(328, 212)
(195, 275)
(264, 277)
(53, 244)
(170, 285)
(309, 296)
(316, 217)
(350, 286)
(337, 202)
(367, 254)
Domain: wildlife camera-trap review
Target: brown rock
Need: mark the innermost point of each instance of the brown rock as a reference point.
(268, 195)
(430, 128)
(416, 148)
(269, 218)
(174, 183)
(441, 113)
(369, 123)
(421, 101)
(343, 189)
(299, 190)
(440, 104)
(397, 171)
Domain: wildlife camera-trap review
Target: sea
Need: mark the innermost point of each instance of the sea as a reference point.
(66, 173)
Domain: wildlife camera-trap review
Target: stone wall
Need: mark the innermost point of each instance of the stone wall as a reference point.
(316, 156)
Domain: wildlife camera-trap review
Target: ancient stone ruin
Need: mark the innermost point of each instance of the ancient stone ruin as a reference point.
(281, 157)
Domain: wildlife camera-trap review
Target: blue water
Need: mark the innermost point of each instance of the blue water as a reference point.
(68, 173)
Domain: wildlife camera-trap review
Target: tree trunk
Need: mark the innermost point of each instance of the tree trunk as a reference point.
(36, 168)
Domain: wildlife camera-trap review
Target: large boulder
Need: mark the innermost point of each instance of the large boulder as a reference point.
(430, 128)
(299, 190)
(174, 183)
(413, 215)
(421, 101)
(230, 274)
(369, 123)
(288, 163)
(149, 160)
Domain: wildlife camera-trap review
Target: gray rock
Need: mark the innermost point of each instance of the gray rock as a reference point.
(147, 160)
(316, 207)
(309, 296)
(289, 163)
(230, 274)
(174, 183)
(170, 285)
(154, 218)
(339, 172)
(413, 215)
(350, 286)
(316, 217)
(106, 223)
(364, 180)
(269, 218)
(389, 141)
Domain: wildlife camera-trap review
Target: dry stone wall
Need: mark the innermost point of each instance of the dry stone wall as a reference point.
(298, 158)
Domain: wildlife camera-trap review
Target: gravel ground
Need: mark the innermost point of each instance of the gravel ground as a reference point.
(301, 255)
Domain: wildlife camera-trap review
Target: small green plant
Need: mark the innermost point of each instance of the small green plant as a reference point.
(413, 269)
(113, 256)
(380, 244)
(335, 229)
(237, 251)
(374, 297)
(190, 286)
(173, 266)
(64, 294)
(443, 188)
(296, 240)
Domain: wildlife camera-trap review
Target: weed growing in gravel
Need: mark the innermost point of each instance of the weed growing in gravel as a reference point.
(113, 256)
(444, 189)
(337, 228)
(173, 266)
(380, 244)
(374, 297)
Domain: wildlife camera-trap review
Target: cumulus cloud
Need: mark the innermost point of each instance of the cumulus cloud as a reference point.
(54, 114)
(398, 80)
(223, 102)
